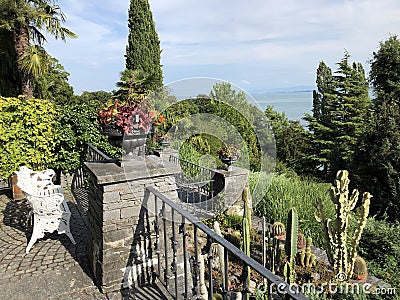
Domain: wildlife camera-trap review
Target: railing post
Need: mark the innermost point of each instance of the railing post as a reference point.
(174, 243)
(182, 230)
(166, 279)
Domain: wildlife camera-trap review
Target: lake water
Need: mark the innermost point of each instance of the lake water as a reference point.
(294, 104)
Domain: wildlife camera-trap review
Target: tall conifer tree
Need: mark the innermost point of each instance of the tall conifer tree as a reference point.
(339, 114)
(143, 50)
(319, 123)
(378, 157)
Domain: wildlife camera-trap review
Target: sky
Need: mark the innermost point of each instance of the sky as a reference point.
(258, 45)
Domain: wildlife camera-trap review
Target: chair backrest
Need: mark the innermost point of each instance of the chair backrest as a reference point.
(35, 183)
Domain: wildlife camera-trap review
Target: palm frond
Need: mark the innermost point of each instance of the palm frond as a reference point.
(36, 61)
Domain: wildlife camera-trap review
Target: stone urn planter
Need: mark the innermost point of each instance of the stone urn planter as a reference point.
(129, 142)
(228, 161)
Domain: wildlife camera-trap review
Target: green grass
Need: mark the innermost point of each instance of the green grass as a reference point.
(284, 193)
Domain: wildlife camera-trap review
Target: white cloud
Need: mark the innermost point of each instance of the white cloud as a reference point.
(272, 42)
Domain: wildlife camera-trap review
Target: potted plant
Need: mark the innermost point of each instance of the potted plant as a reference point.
(164, 140)
(127, 117)
(229, 154)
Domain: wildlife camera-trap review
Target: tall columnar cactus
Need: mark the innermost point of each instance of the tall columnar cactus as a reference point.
(247, 204)
(336, 231)
(203, 287)
(221, 260)
(274, 252)
(291, 243)
(246, 245)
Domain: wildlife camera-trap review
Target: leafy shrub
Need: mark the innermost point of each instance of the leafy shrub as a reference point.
(380, 246)
(77, 126)
(27, 133)
(284, 193)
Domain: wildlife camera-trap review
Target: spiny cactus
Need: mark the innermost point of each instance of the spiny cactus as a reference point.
(301, 243)
(217, 230)
(247, 204)
(360, 267)
(306, 257)
(246, 245)
(336, 231)
(291, 242)
(278, 229)
(274, 253)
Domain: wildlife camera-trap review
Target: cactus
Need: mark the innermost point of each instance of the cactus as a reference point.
(246, 246)
(274, 253)
(278, 229)
(306, 257)
(220, 254)
(291, 242)
(301, 243)
(336, 231)
(247, 204)
(360, 267)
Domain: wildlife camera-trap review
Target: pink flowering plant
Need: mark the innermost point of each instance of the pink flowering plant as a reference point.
(133, 112)
(229, 152)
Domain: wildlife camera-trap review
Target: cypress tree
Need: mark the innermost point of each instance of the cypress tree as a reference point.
(319, 123)
(143, 49)
(340, 108)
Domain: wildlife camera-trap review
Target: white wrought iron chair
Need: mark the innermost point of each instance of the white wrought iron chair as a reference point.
(49, 208)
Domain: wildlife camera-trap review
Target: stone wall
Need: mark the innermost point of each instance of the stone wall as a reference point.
(118, 225)
(122, 237)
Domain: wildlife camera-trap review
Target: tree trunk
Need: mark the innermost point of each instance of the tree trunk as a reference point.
(21, 36)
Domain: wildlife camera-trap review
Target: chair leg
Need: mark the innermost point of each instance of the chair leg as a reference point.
(35, 236)
(69, 234)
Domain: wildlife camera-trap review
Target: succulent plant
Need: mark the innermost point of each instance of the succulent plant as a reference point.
(360, 268)
(278, 229)
(291, 244)
(306, 257)
(301, 242)
(336, 230)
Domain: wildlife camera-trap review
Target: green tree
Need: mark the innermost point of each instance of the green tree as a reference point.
(98, 97)
(143, 50)
(26, 19)
(54, 84)
(340, 110)
(319, 123)
(378, 157)
(349, 116)
(292, 142)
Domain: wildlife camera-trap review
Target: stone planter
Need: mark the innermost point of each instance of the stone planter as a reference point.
(129, 142)
(228, 161)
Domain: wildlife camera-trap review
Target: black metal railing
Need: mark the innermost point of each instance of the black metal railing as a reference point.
(174, 230)
(192, 171)
(94, 154)
(194, 175)
(79, 180)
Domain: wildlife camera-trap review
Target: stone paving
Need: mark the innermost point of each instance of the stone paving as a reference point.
(54, 268)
